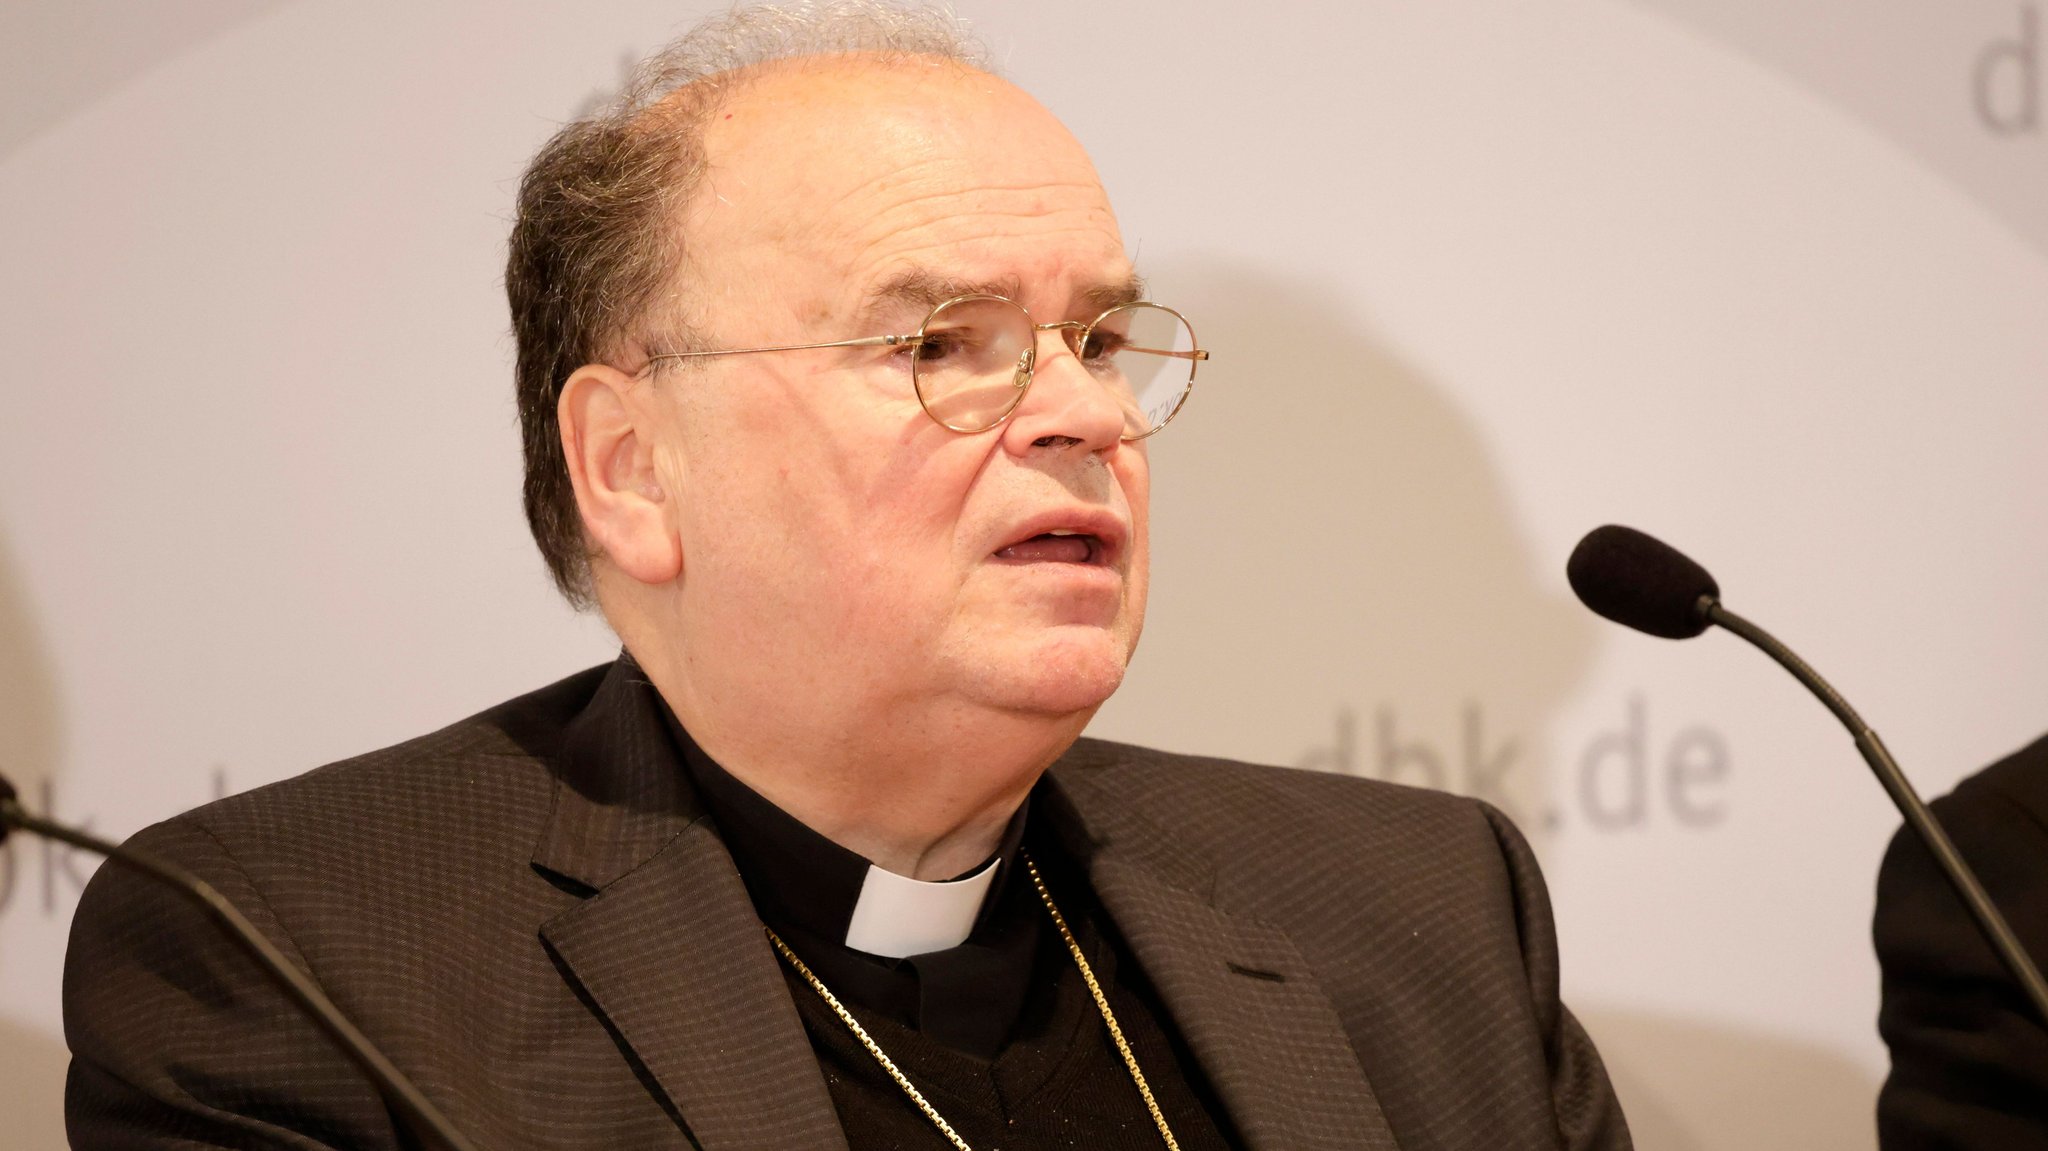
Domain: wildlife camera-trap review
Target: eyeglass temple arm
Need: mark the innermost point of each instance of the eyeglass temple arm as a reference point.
(863, 342)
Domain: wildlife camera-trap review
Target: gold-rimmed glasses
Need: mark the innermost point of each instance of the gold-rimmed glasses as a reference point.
(974, 356)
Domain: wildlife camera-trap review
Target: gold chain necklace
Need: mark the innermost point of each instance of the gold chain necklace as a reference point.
(1087, 976)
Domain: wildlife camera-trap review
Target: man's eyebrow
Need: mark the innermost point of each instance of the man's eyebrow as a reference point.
(924, 289)
(1103, 297)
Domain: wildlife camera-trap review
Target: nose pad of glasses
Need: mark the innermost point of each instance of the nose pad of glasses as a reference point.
(1026, 361)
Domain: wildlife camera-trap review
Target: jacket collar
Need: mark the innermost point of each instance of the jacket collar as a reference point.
(621, 794)
(666, 945)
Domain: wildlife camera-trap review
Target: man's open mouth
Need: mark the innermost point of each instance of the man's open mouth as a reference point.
(1058, 546)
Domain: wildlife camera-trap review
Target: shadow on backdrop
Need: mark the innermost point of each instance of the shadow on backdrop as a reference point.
(1339, 581)
(1744, 1089)
(30, 735)
(31, 1062)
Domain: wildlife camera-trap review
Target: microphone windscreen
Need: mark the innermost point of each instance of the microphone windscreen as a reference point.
(1640, 581)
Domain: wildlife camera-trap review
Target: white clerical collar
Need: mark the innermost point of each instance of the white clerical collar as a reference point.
(896, 916)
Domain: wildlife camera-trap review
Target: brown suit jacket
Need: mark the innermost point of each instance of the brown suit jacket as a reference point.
(529, 912)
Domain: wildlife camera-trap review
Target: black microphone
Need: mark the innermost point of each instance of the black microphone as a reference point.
(398, 1091)
(1641, 582)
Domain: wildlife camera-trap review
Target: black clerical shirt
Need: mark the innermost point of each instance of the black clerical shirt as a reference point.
(805, 886)
(1000, 1032)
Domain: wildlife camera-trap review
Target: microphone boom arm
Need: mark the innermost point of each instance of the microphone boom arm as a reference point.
(1993, 924)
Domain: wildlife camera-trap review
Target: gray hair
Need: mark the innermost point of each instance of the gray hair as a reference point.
(594, 246)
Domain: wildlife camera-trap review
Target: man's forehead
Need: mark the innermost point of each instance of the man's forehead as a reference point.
(897, 178)
(840, 124)
(837, 89)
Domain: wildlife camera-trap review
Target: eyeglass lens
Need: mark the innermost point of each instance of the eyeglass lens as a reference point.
(977, 356)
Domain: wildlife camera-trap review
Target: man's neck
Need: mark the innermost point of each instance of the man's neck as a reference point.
(927, 849)
(926, 797)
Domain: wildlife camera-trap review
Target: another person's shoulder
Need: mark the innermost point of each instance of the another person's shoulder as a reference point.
(2020, 779)
(1969, 1057)
(1997, 817)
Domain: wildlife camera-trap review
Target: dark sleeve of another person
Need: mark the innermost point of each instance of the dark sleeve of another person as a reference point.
(1969, 1055)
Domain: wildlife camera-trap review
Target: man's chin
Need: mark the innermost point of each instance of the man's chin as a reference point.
(1073, 700)
(1062, 676)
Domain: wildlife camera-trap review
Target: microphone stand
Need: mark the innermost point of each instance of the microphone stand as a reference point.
(1993, 924)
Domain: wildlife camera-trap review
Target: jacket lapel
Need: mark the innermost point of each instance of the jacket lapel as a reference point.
(1240, 993)
(675, 959)
(667, 946)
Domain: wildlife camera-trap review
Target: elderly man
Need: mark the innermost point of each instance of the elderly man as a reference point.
(836, 379)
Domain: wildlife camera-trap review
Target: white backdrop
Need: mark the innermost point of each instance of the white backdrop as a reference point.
(1767, 278)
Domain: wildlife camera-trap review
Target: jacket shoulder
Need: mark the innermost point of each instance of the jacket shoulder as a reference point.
(1422, 915)
(2020, 779)
(1965, 1063)
(506, 748)
(1205, 796)
(464, 804)
(401, 880)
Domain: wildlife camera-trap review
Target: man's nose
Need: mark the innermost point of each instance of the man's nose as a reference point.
(1064, 403)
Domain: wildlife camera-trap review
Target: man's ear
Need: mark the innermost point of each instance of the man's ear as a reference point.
(609, 450)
